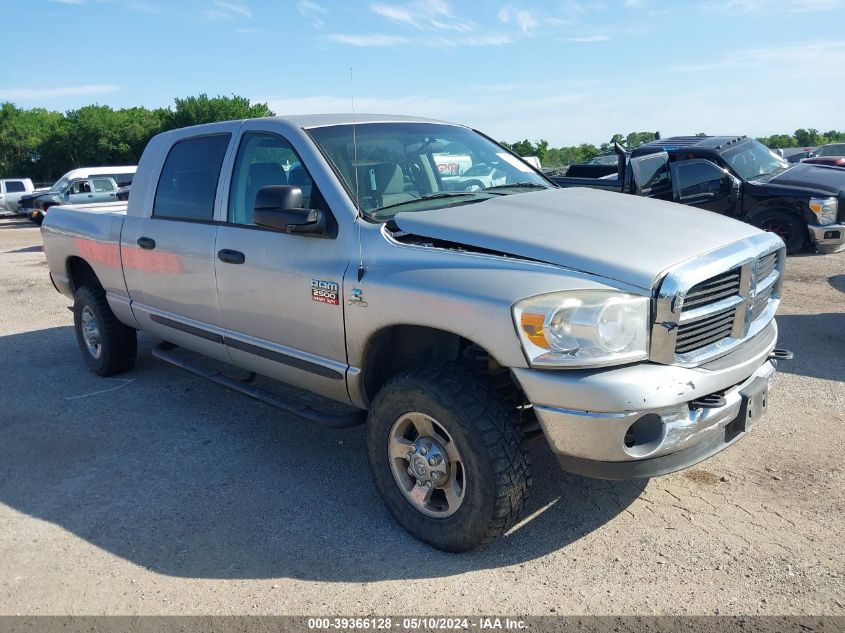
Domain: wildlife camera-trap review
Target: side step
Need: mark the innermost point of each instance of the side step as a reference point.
(338, 421)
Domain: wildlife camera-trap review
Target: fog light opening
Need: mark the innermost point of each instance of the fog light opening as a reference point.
(644, 436)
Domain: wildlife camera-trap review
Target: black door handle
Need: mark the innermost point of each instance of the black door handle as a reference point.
(90, 195)
(231, 257)
(146, 242)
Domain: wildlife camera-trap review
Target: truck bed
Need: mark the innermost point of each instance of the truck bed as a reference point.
(90, 233)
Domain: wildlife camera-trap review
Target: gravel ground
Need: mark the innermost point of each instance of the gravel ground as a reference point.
(159, 493)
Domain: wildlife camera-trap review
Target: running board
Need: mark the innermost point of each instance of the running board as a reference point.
(338, 421)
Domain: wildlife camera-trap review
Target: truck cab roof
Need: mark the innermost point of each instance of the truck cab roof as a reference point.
(674, 143)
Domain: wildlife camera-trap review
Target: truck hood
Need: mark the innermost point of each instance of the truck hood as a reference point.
(621, 237)
(814, 179)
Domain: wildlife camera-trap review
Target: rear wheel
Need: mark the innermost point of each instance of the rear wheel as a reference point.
(787, 226)
(108, 346)
(447, 457)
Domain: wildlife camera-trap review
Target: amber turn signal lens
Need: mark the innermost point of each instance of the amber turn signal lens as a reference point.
(532, 325)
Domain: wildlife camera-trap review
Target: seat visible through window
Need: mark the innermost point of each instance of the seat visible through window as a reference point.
(381, 185)
(264, 160)
(263, 175)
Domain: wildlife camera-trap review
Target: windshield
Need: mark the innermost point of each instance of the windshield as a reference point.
(415, 166)
(60, 185)
(837, 149)
(752, 159)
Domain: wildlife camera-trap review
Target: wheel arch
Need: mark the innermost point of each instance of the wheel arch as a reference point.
(794, 208)
(396, 348)
(80, 273)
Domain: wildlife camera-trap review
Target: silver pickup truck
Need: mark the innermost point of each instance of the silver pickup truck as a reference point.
(456, 321)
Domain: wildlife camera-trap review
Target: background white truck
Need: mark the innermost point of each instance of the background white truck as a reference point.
(11, 191)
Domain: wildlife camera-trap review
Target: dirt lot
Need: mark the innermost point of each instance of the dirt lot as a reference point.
(158, 493)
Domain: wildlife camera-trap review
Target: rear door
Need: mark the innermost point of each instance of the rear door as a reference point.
(104, 189)
(279, 293)
(649, 176)
(168, 249)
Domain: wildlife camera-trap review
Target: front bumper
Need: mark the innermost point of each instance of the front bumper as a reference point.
(828, 239)
(588, 418)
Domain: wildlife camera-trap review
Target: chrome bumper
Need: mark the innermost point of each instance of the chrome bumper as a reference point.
(586, 416)
(828, 239)
(593, 444)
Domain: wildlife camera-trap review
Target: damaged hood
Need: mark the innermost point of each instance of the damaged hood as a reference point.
(623, 237)
(816, 179)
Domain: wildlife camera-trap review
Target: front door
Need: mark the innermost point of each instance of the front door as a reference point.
(280, 294)
(701, 183)
(79, 193)
(168, 249)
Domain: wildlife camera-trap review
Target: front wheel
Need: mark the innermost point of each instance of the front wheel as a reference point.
(787, 226)
(446, 455)
(108, 346)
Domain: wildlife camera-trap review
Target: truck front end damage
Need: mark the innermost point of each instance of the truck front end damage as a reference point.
(712, 361)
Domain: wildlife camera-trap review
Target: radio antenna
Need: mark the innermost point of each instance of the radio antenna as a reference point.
(359, 218)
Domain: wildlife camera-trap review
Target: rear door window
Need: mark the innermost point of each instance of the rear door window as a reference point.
(122, 179)
(103, 184)
(651, 174)
(188, 181)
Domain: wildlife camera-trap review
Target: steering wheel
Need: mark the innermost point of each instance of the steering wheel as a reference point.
(471, 185)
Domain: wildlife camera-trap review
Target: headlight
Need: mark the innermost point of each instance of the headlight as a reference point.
(825, 209)
(583, 328)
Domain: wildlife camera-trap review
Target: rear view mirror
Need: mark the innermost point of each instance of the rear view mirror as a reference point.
(279, 207)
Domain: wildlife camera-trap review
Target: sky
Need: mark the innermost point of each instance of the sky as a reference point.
(568, 71)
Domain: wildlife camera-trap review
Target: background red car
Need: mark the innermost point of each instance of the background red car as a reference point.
(832, 154)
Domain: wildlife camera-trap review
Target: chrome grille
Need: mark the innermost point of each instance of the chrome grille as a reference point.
(712, 290)
(706, 307)
(767, 264)
(761, 301)
(703, 332)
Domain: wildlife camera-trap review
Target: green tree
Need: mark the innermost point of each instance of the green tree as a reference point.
(205, 109)
(808, 138)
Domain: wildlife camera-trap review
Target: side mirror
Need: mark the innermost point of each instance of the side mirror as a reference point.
(279, 207)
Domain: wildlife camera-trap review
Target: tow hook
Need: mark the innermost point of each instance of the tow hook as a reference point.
(711, 401)
(781, 354)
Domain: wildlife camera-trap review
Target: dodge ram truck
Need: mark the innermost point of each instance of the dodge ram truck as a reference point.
(327, 252)
(738, 177)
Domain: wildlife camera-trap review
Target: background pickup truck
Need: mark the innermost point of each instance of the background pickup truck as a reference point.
(78, 191)
(11, 191)
(328, 253)
(36, 204)
(738, 177)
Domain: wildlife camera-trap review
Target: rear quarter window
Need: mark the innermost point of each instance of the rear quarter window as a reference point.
(15, 186)
(188, 181)
(122, 179)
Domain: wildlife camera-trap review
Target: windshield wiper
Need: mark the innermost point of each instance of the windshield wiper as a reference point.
(430, 196)
(518, 185)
